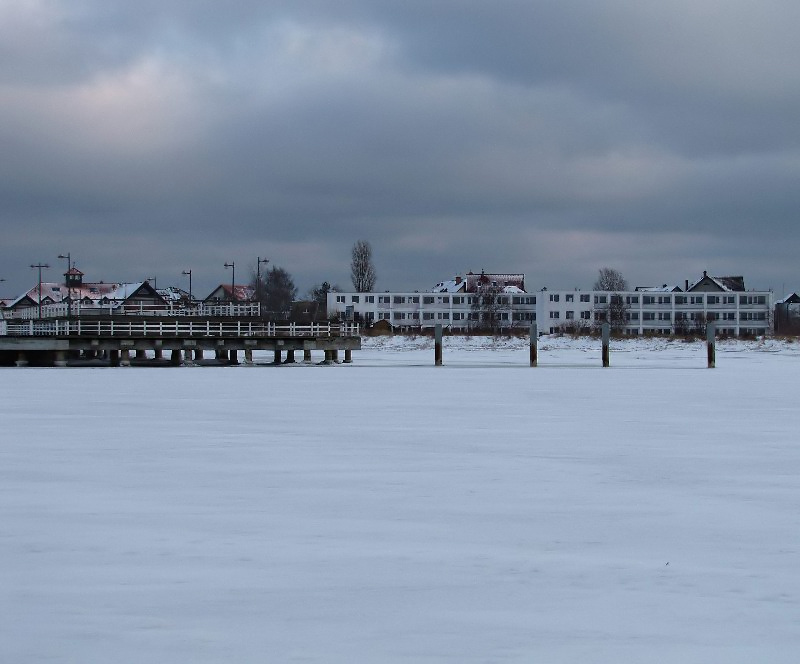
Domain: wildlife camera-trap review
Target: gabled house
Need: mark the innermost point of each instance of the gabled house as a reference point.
(787, 315)
(225, 293)
(708, 284)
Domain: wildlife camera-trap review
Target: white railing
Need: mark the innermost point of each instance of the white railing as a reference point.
(63, 310)
(102, 327)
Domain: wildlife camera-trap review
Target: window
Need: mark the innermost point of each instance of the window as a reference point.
(680, 315)
(458, 316)
(569, 298)
(369, 315)
(340, 298)
(414, 299)
(680, 299)
(586, 315)
(600, 299)
(555, 314)
(399, 299)
(616, 299)
(428, 299)
(383, 299)
(369, 298)
(554, 297)
(585, 297)
(458, 300)
(729, 299)
(633, 315)
(443, 316)
(712, 316)
(631, 299)
(665, 299)
(502, 300)
(729, 315)
(649, 315)
(696, 299)
(712, 299)
(383, 315)
(427, 316)
(648, 299)
(664, 315)
(570, 315)
(399, 315)
(355, 298)
(444, 300)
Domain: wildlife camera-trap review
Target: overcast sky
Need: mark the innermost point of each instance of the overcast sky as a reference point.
(550, 138)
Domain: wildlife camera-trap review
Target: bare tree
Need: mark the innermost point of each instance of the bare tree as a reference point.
(278, 291)
(609, 279)
(615, 313)
(362, 271)
(485, 308)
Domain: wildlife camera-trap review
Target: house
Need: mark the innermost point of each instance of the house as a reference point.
(787, 315)
(76, 296)
(457, 304)
(238, 294)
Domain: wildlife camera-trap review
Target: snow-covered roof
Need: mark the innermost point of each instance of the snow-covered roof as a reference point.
(792, 298)
(450, 286)
(723, 283)
(512, 289)
(659, 289)
(58, 292)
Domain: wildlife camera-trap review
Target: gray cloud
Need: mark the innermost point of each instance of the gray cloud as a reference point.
(547, 138)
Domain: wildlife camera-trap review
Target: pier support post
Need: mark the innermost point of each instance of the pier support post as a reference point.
(348, 356)
(125, 357)
(335, 355)
(220, 355)
(157, 353)
(277, 357)
(198, 354)
(534, 345)
(22, 359)
(328, 357)
(234, 357)
(61, 358)
(175, 357)
(113, 357)
(437, 346)
(606, 338)
(141, 354)
(187, 356)
(307, 355)
(711, 345)
(289, 357)
(248, 356)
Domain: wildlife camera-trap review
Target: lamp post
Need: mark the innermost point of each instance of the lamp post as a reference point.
(259, 262)
(39, 266)
(189, 272)
(232, 265)
(68, 283)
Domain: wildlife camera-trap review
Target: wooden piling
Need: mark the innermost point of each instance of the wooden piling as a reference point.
(606, 338)
(438, 346)
(711, 345)
(534, 345)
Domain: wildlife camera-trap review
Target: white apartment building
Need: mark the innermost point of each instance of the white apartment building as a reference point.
(660, 310)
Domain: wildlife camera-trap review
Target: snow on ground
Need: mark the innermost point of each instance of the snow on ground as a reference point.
(392, 511)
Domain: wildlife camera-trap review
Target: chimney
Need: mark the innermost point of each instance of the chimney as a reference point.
(458, 280)
(686, 287)
(705, 274)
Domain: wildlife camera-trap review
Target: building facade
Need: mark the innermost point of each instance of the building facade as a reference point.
(460, 306)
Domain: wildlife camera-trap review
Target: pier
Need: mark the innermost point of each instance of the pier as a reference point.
(121, 341)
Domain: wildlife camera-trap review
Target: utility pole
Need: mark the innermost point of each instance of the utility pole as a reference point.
(39, 266)
(68, 283)
(189, 272)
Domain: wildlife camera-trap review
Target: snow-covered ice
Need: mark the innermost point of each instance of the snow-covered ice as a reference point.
(392, 511)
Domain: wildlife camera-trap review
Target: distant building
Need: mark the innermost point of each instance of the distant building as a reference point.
(787, 315)
(238, 294)
(662, 310)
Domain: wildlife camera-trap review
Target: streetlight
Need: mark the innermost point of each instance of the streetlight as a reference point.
(232, 265)
(40, 266)
(189, 272)
(259, 262)
(68, 283)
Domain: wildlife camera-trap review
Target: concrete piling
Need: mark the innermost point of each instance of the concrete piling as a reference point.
(437, 346)
(711, 345)
(606, 337)
(534, 345)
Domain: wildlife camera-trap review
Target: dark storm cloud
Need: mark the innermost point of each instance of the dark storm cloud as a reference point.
(550, 138)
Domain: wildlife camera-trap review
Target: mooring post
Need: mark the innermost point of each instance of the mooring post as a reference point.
(437, 352)
(606, 336)
(534, 343)
(711, 344)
